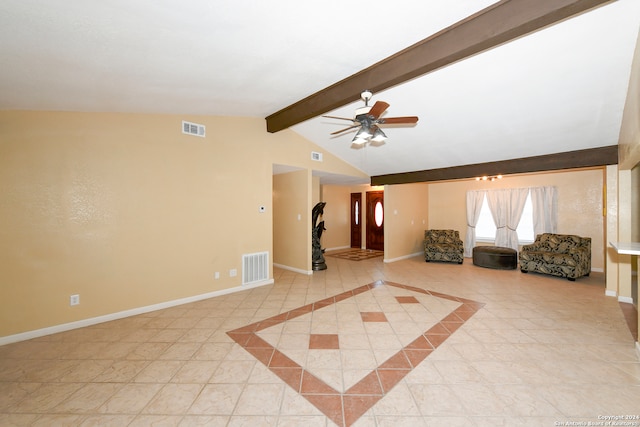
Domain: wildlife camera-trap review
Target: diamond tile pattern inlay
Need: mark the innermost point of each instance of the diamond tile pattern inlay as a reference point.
(356, 254)
(359, 344)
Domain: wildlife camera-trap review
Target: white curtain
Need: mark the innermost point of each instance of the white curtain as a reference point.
(506, 208)
(517, 199)
(498, 201)
(474, 204)
(544, 202)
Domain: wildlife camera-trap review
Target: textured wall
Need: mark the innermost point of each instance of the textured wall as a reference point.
(407, 216)
(337, 216)
(580, 203)
(126, 211)
(291, 220)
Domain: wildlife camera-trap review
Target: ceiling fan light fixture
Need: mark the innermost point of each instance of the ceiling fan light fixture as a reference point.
(362, 136)
(363, 133)
(378, 136)
(367, 119)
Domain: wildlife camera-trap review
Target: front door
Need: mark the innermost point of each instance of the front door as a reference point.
(375, 220)
(356, 220)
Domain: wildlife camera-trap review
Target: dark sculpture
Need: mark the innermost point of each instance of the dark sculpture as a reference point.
(318, 262)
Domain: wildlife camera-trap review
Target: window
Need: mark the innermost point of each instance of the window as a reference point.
(486, 228)
(525, 228)
(379, 214)
(357, 212)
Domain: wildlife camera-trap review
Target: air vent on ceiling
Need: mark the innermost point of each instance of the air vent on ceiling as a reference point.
(316, 156)
(193, 129)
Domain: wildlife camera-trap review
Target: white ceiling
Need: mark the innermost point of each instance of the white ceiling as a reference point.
(559, 89)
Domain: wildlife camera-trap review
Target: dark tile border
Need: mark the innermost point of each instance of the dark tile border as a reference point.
(345, 408)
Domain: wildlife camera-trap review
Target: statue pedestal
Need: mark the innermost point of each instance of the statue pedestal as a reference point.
(319, 265)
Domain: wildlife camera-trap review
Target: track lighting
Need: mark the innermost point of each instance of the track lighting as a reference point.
(488, 178)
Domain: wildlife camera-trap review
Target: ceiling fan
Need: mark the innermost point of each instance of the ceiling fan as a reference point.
(368, 120)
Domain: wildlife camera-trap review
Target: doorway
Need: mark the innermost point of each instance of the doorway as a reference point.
(356, 220)
(375, 220)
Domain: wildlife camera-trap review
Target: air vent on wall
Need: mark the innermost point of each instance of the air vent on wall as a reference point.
(193, 129)
(316, 156)
(255, 267)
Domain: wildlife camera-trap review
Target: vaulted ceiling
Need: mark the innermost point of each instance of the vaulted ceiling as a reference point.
(493, 81)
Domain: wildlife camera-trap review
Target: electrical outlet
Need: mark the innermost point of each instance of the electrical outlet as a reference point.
(74, 299)
(233, 272)
(216, 275)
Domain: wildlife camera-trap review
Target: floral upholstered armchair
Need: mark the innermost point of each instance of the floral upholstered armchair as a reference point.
(443, 245)
(563, 255)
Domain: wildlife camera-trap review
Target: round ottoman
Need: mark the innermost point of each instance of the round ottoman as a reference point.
(495, 257)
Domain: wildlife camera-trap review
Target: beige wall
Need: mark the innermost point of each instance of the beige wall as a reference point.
(406, 217)
(580, 203)
(412, 208)
(127, 212)
(611, 256)
(405, 213)
(291, 220)
(629, 163)
(629, 142)
(624, 262)
(337, 214)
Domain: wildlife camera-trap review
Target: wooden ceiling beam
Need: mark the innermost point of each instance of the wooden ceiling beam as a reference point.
(497, 24)
(591, 157)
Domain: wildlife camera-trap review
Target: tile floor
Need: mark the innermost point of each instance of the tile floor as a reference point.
(362, 343)
(355, 254)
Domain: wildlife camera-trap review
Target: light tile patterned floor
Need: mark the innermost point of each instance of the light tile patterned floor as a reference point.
(541, 351)
(353, 348)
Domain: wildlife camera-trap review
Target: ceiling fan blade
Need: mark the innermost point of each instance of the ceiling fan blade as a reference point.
(339, 118)
(378, 108)
(398, 120)
(344, 130)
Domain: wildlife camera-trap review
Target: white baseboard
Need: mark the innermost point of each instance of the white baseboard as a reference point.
(638, 349)
(126, 313)
(295, 270)
(611, 293)
(598, 270)
(404, 257)
(625, 299)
